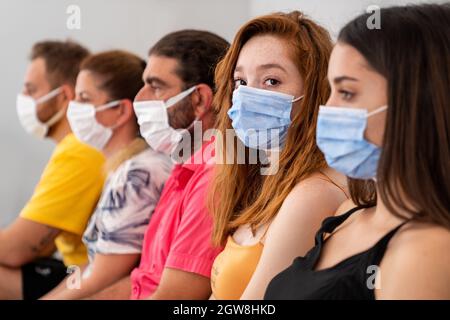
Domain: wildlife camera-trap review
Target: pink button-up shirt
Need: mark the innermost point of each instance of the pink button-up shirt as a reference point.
(179, 233)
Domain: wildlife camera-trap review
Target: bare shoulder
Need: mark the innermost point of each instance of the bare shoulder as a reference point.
(303, 211)
(312, 195)
(325, 192)
(415, 265)
(316, 186)
(346, 206)
(418, 240)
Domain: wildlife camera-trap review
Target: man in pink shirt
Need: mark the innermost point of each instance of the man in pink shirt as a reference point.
(177, 253)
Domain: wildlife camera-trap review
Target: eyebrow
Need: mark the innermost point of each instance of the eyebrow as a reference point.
(83, 93)
(155, 80)
(264, 67)
(343, 78)
(29, 85)
(271, 66)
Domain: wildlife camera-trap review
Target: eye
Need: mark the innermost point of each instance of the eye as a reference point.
(239, 82)
(346, 95)
(154, 87)
(271, 82)
(84, 98)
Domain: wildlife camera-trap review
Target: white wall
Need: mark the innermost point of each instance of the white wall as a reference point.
(105, 24)
(129, 24)
(332, 14)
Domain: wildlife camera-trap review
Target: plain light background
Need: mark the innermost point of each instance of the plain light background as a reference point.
(133, 25)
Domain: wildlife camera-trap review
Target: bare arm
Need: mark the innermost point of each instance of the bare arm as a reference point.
(291, 234)
(25, 240)
(62, 285)
(416, 266)
(182, 285)
(106, 270)
(121, 290)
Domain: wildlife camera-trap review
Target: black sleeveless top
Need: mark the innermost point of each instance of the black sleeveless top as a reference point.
(350, 279)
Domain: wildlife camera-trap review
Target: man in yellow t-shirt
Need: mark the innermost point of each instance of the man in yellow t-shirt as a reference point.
(57, 213)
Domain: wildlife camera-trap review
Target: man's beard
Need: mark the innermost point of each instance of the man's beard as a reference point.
(47, 112)
(181, 115)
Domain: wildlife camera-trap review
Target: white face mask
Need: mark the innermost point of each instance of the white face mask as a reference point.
(27, 112)
(154, 122)
(85, 126)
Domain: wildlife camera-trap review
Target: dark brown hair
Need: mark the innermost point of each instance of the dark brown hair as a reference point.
(239, 195)
(120, 72)
(197, 53)
(62, 60)
(412, 51)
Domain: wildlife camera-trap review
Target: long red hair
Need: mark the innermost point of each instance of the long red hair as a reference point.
(239, 194)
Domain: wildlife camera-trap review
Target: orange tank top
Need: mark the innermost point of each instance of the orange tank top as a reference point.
(233, 269)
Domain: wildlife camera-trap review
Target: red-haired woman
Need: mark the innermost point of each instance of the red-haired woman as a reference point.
(270, 85)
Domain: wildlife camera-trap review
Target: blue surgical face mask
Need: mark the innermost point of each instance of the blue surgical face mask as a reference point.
(340, 136)
(261, 118)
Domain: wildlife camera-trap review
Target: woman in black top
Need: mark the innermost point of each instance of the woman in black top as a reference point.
(387, 125)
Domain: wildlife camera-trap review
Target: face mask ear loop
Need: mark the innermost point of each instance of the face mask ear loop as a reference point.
(298, 99)
(48, 96)
(174, 100)
(107, 106)
(58, 116)
(376, 111)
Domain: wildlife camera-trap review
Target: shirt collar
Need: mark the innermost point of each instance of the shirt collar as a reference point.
(203, 156)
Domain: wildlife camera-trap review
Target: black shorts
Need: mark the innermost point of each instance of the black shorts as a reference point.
(41, 276)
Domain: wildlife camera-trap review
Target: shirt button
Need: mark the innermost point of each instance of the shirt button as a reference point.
(136, 291)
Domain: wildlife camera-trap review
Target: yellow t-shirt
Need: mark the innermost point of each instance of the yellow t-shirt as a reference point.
(67, 194)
